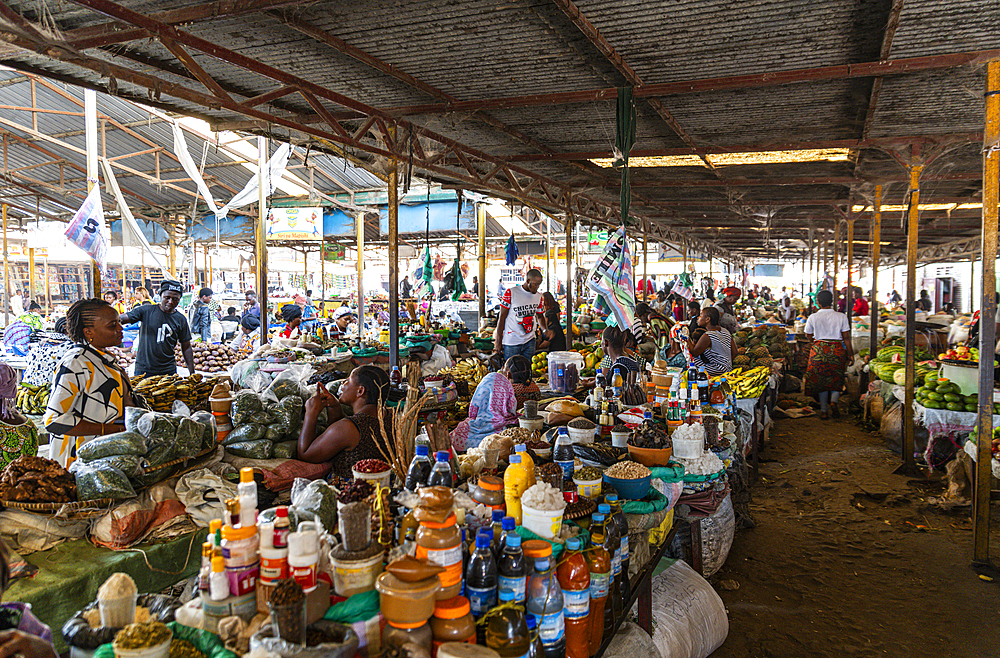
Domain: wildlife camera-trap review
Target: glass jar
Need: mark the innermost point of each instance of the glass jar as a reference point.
(453, 622)
(441, 543)
(489, 492)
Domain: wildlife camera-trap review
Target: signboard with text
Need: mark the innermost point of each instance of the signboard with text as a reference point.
(294, 223)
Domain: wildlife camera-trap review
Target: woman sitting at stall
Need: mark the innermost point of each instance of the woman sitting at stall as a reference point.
(348, 439)
(292, 315)
(243, 343)
(89, 390)
(342, 318)
(715, 348)
(554, 338)
(518, 371)
(492, 408)
(18, 435)
(829, 355)
(614, 342)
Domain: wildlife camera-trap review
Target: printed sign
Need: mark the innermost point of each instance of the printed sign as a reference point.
(294, 223)
(334, 252)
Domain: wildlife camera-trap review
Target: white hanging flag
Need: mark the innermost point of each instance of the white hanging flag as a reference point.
(131, 233)
(87, 229)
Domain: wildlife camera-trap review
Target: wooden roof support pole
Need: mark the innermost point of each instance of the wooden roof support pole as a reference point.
(909, 464)
(987, 326)
(361, 271)
(836, 262)
(569, 276)
(481, 231)
(260, 241)
(393, 230)
(850, 263)
(645, 260)
(876, 234)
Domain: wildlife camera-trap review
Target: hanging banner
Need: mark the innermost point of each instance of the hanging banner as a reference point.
(596, 241)
(294, 223)
(87, 230)
(334, 252)
(132, 235)
(612, 278)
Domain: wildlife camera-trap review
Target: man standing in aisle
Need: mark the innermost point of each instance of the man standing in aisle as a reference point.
(162, 328)
(252, 306)
(201, 315)
(516, 324)
(404, 288)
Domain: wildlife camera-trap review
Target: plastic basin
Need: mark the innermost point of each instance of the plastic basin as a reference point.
(381, 479)
(650, 456)
(630, 489)
(543, 523)
(588, 488)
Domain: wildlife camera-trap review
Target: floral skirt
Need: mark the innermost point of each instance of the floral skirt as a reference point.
(827, 365)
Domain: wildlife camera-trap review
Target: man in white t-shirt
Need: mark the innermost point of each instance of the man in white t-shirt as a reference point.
(519, 307)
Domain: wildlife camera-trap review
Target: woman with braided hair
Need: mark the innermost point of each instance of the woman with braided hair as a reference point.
(89, 390)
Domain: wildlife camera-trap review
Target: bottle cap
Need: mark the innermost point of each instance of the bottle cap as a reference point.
(483, 541)
(281, 512)
(246, 475)
(218, 564)
(573, 544)
(520, 447)
(506, 594)
(611, 498)
(514, 459)
(441, 455)
(214, 525)
(498, 516)
(597, 517)
(508, 523)
(422, 450)
(604, 508)
(452, 608)
(530, 619)
(514, 540)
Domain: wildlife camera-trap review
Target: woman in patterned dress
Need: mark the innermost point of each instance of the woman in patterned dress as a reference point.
(829, 354)
(18, 435)
(348, 439)
(89, 390)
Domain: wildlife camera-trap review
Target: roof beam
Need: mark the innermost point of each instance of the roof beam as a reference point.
(879, 142)
(96, 36)
(846, 181)
(890, 32)
(593, 35)
(900, 66)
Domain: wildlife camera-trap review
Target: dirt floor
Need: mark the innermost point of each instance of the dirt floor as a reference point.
(848, 559)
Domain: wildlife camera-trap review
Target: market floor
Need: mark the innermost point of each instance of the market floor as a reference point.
(837, 565)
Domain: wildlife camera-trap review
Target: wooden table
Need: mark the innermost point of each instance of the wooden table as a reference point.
(642, 591)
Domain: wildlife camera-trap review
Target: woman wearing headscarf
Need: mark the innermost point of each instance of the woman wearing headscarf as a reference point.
(492, 408)
(90, 391)
(292, 315)
(725, 305)
(518, 371)
(18, 435)
(18, 333)
(243, 343)
(341, 321)
(829, 354)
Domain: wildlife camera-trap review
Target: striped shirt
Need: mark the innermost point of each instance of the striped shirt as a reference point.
(718, 358)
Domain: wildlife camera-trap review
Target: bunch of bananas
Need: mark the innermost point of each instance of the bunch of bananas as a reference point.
(32, 398)
(161, 390)
(750, 383)
(194, 390)
(470, 370)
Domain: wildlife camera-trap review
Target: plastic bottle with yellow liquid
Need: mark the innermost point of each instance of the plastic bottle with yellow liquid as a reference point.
(515, 483)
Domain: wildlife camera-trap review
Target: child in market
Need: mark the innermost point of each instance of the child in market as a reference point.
(21, 633)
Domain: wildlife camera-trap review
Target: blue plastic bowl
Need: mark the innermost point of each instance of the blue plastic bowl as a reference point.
(630, 489)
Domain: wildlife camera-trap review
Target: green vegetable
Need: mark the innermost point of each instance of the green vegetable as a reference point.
(262, 449)
(955, 406)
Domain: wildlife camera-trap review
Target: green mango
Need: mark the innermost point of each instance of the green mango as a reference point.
(955, 406)
(952, 397)
(934, 404)
(972, 408)
(934, 395)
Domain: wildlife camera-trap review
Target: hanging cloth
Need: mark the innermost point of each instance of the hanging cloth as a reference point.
(625, 119)
(511, 251)
(458, 281)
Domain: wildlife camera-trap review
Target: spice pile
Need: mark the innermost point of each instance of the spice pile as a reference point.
(142, 636)
(356, 491)
(584, 424)
(587, 473)
(37, 480)
(371, 466)
(628, 470)
(649, 436)
(184, 649)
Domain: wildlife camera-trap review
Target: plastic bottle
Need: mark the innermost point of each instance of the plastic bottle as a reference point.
(612, 543)
(507, 628)
(205, 572)
(703, 395)
(599, 563)
(515, 483)
(246, 490)
(508, 528)
(395, 377)
(273, 561)
(617, 382)
(481, 576)
(511, 567)
(621, 523)
(420, 469)
(545, 601)
(527, 462)
(441, 475)
(303, 555)
(214, 526)
(218, 581)
(281, 527)
(574, 579)
(562, 454)
(535, 650)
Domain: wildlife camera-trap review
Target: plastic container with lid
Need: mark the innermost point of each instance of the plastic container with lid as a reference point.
(588, 488)
(526, 461)
(303, 555)
(489, 492)
(570, 363)
(512, 568)
(395, 635)
(404, 602)
(352, 577)
(574, 579)
(481, 575)
(452, 622)
(247, 492)
(441, 543)
(240, 546)
(544, 523)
